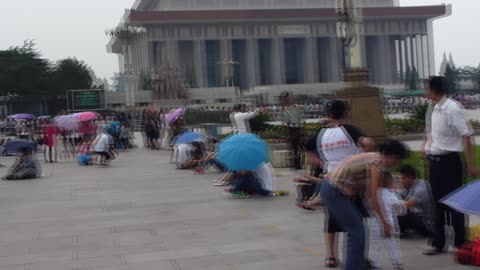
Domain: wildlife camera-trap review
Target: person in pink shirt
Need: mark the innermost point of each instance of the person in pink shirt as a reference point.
(50, 141)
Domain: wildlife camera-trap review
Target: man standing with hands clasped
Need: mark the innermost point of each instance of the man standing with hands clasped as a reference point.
(448, 134)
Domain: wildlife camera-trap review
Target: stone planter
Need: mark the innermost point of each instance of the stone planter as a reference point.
(281, 158)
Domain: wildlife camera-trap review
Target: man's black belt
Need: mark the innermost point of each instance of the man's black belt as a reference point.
(446, 156)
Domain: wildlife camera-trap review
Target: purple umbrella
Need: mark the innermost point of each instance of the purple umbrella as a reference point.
(174, 115)
(67, 122)
(24, 116)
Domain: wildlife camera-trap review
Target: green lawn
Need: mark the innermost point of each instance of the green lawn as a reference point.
(418, 162)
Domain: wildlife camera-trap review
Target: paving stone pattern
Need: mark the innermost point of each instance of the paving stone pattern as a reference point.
(142, 214)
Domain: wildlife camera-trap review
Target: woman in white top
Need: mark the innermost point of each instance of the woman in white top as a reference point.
(101, 146)
(330, 147)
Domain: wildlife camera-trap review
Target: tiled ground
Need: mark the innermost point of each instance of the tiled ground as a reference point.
(141, 214)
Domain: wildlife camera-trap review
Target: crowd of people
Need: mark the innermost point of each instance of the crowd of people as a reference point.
(355, 181)
(400, 105)
(95, 141)
(198, 157)
(345, 171)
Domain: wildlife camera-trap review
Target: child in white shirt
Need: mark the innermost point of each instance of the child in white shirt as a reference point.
(393, 207)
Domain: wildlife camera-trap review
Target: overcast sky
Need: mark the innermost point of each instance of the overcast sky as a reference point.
(75, 28)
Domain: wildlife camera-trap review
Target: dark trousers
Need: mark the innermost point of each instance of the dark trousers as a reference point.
(295, 138)
(249, 184)
(446, 175)
(349, 220)
(416, 222)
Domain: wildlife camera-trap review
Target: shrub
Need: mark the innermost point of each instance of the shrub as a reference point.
(404, 126)
(258, 123)
(419, 112)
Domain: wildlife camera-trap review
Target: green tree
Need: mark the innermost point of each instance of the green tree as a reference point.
(470, 73)
(23, 71)
(451, 74)
(70, 74)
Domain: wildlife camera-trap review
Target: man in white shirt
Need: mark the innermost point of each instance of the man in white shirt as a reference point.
(448, 134)
(236, 109)
(242, 119)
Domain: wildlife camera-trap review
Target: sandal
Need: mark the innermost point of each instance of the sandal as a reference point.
(304, 206)
(331, 262)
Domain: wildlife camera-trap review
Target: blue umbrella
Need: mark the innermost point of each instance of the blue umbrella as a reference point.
(189, 137)
(11, 148)
(465, 199)
(243, 152)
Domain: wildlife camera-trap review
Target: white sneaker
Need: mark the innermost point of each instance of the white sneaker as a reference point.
(220, 184)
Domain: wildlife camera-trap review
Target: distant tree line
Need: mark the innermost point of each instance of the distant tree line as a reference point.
(24, 72)
(453, 74)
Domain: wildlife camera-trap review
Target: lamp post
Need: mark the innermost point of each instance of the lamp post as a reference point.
(364, 100)
(126, 34)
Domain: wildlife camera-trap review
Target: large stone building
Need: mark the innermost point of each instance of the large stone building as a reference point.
(267, 45)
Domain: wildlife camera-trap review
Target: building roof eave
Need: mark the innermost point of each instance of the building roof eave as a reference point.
(135, 16)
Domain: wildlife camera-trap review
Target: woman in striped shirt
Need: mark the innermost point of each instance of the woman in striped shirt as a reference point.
(361, 175)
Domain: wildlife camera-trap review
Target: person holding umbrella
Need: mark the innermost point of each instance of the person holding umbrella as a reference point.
(25, 166)
(448, 135)
(246, 156)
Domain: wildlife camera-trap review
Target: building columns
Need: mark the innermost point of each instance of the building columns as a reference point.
(419, 53)
(334, 60)
(426, 72)
(412, 52)
(199, 62)
(172, 52)
(251, 51)
(226, 69)
(386, 66)
(277, 61)
(309, 60)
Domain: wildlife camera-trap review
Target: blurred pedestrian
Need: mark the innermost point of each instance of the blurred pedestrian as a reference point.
(294, 120)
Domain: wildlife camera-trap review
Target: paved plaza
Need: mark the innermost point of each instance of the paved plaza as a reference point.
(142, 214)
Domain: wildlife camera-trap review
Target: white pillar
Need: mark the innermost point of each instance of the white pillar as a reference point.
(406, 54)
(412, 52)
(397, 60)
(425, 57)
(131, 69)
(419, 51)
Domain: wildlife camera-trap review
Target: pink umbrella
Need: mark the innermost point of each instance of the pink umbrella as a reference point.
(174, 115)
(86, 116)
